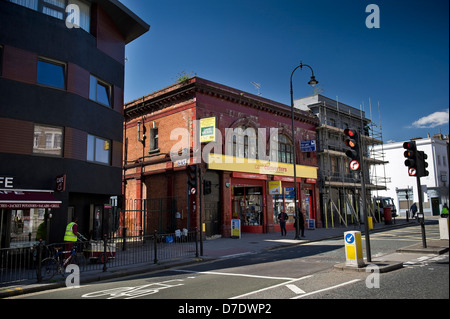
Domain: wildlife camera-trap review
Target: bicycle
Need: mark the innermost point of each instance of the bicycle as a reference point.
(57, 265)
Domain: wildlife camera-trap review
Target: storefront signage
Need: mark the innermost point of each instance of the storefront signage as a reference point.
(60, 183)
(275, 188)
(207, 130)
(6, 182)
(245, 165)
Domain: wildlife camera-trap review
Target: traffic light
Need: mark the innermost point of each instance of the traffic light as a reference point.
(351, 140)
(411, 157)
(422, 164)
(206, 187)
(192, 176)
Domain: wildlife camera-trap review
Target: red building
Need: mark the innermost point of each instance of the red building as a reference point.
(199, 144)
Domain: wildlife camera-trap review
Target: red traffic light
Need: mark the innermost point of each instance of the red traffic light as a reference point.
(349, 132)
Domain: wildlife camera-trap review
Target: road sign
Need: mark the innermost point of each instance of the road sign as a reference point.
(193, 190)
(354, 165)
(349, 238)
(412, 171)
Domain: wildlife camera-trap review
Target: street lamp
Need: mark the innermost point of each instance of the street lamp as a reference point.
(313, 82)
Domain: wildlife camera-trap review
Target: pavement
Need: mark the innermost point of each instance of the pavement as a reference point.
(249, 243)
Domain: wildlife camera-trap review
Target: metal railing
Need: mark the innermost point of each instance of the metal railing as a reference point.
(24, 264)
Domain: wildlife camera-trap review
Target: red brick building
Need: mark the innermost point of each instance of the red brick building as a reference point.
(241, 145)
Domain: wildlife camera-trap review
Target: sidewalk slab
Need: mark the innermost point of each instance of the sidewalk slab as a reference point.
(437, 247)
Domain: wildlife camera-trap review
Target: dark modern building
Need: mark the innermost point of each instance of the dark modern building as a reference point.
(61, 115)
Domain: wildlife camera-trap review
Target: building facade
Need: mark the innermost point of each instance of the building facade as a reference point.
(340, 187)
(403, 188)
(61, 115)
(201, 153)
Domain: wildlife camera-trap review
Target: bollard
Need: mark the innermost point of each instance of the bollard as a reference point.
(353, 249)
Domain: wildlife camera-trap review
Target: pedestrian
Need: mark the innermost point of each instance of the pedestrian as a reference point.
(301, 222)
(444, 213)
(413, 209)
(283, 217)
(71, 235)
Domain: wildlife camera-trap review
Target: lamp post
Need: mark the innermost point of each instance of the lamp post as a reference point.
(313, 82)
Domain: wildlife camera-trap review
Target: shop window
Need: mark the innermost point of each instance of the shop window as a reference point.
(98, 150)
(26, 226)
(51, 73)
(100, 91)
(248, 205)
(48, 140)
(284, 202)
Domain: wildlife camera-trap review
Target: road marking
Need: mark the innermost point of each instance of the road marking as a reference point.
(232, 274)
(326, 289)
(295, 289)
(271, 287)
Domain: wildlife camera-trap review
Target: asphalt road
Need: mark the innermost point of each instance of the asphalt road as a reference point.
(300, 272)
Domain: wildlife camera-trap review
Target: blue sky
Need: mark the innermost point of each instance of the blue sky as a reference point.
(403, 66)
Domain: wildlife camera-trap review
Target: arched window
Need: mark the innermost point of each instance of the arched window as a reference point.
(242, 142)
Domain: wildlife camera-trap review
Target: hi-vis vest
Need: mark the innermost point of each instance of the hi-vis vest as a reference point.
(69, 235)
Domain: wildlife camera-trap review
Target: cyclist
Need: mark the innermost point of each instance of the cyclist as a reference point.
(71, 235)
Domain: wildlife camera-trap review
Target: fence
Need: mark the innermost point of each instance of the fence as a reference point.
(24, 264)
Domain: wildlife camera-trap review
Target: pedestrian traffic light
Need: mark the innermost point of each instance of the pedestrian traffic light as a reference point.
(192, 176)
(411, 157)
(206, 187)
(422, 164)
(351, 140)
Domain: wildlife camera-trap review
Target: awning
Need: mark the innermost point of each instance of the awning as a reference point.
(26, 199)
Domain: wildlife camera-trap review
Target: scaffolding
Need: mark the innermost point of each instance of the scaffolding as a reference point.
(340, 188)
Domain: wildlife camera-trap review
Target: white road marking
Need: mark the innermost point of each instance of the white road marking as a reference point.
(271, 287)
(232, 274)
(326, 289)
(295, 289)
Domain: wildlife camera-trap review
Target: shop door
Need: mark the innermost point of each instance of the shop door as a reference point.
(212, 214)
(212, 218)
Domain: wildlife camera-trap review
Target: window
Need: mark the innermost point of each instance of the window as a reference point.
(48, 140)
(57, 9)
(98, 150)
(51, 73)
(154, 139)
(100, 91)
(285, 150)
(242, 142)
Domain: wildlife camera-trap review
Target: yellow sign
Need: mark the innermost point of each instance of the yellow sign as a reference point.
(275, 188)
(207, 130)
(246, 165)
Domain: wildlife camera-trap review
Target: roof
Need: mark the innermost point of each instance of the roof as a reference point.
(129, 24)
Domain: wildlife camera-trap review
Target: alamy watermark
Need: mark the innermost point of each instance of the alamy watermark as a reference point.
(73, 16)
(373, 19)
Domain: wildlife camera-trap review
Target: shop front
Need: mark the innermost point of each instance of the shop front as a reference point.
(23, 216)
(253, 201)
(248, 201)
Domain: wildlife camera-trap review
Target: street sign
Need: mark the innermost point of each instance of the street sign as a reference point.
(349, 238)
(412, 171)
(193, 190)
(354, 165)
